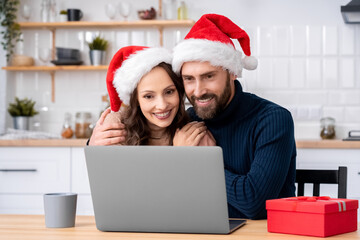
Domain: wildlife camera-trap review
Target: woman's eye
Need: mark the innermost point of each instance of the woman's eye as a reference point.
(170, 91)
(147, 96)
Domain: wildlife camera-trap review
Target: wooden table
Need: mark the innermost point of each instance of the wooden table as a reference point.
(33, 227)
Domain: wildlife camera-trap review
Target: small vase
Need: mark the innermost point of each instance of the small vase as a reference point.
(97, 57)
(63, 18)
(21, 123)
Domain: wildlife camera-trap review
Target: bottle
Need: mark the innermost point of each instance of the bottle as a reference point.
(67, 132)
(182, 11)
(45, 11)
(53, 11)
(327, 128)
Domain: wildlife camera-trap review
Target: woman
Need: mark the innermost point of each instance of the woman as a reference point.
(148, 97)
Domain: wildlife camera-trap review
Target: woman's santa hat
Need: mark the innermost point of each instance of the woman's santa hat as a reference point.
(126, 69)
(209, 40)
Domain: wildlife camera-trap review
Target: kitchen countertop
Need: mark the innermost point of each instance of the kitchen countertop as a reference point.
(326, 144)
(43, 143)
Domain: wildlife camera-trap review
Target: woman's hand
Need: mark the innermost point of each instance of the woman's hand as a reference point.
(108, 130)
(190, 134)
(207, 140)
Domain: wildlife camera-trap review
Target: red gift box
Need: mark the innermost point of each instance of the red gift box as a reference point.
(312, 216)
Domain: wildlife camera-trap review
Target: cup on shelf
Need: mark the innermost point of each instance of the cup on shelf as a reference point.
(26, 12)
(44, 55)
(110, 11)
(74, 14)
(125, 9)
(60, 209)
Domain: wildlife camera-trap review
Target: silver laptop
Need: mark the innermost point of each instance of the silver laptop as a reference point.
(159, 189)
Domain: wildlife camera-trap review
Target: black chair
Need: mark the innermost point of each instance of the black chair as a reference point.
(322, 176)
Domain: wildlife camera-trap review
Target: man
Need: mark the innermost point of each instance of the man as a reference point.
(256, 135)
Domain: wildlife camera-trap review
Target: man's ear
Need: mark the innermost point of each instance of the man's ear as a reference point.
(233, 77)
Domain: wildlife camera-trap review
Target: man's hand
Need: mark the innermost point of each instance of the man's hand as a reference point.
(207, 140)
(108, 130)
(190, 134)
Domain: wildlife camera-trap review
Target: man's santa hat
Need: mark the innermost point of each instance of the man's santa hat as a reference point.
(209, 40)
(126, 69)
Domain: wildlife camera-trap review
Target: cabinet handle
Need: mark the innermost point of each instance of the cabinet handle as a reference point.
(18, 170)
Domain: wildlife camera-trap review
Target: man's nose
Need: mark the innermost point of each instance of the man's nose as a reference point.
(199, 89)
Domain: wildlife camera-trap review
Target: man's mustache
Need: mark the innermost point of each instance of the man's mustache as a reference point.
(202, 97)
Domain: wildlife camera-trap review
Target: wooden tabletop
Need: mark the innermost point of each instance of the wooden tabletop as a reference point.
(33, 227)
(322, 144)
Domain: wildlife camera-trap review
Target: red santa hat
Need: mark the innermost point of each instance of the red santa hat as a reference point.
(209, 40)
(126, 69)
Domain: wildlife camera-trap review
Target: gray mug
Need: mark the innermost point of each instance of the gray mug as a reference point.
(60, 209)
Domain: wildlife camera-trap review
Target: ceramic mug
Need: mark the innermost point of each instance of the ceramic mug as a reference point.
(60, 209)
(74, 14)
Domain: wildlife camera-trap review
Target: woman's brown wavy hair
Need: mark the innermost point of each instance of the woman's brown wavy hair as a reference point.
(138, 131)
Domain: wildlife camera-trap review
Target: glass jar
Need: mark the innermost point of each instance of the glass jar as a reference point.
(82, 123)
(67, 131)
(327, 128)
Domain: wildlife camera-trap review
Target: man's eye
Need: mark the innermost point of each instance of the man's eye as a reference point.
(210, 76)
(187, 78)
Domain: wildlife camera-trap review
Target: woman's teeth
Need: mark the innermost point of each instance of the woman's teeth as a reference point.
(162, 114)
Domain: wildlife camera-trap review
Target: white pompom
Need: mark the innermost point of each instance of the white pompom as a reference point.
(249, 62)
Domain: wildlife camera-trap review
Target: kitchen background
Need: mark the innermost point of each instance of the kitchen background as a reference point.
(309, 60)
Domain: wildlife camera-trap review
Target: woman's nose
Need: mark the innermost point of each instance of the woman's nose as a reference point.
(161, 103)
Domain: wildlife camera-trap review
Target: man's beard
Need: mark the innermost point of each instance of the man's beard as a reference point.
(212, 110)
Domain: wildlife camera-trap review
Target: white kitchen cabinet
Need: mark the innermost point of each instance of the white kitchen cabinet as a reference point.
(26, 173)
(332, 159)
(80, 181)
(63, 169)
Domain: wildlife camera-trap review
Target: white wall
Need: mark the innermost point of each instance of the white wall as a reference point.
(309, 60)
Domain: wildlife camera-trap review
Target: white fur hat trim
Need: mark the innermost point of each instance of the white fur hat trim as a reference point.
(217, 53)
(135, 67)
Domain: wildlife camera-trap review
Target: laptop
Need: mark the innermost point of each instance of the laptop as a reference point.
(159, 189)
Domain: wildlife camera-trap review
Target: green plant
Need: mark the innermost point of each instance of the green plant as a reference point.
(11, 32)
(22, 107)
(98, 43)
(64, 12)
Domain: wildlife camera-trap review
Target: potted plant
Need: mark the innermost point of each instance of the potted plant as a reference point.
(63, 16)
(21, 111)
(97, 48)
(11, 32)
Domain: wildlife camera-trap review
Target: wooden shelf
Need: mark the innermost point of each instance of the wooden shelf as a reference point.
(53, 69)
(53, 26)
(108, 24)
(57, 68)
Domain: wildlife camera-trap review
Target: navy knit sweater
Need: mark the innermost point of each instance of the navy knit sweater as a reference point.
(257, 139)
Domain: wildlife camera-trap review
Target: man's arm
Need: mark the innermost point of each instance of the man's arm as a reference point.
(273, 149)
(108, 130)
